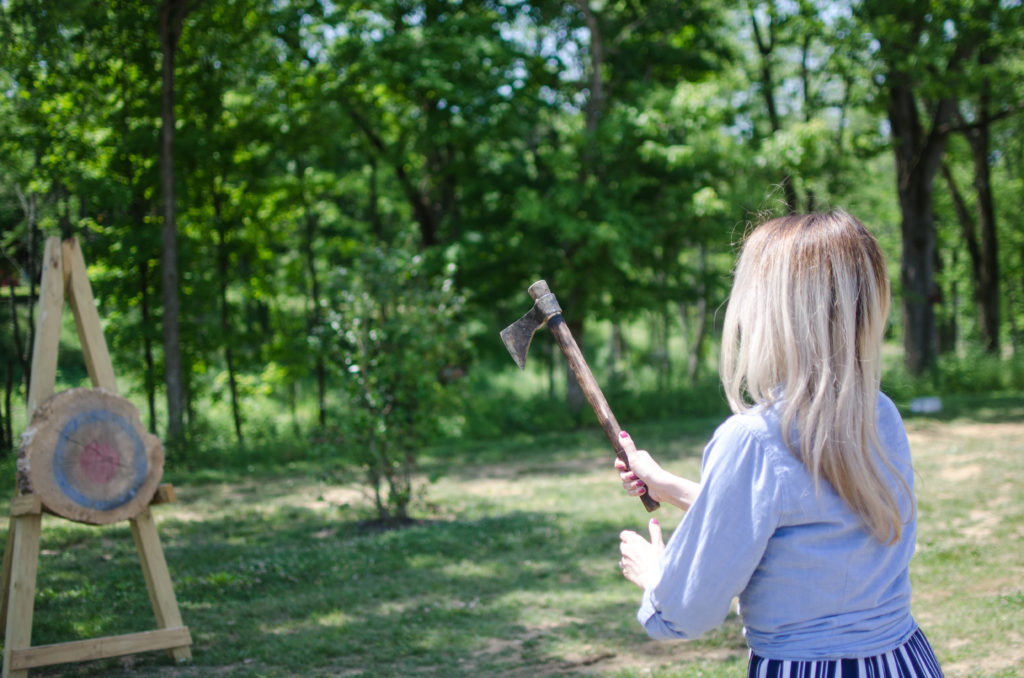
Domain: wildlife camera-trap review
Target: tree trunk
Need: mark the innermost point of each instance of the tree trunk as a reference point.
(658, 335)
(8, 426)
(917, 277)
(423, 209)
(375, 477)
(1016, 334)
(149, 378)
(968, 230)
(23, 349)
(946, 330)
(313, 318)
(172, 16)
(616, 353)
(765, 46)
(918, 157)
(588, 164)
(293, 410)
(19, 348)
(223, 262)
(30, 327)
(595, 102)
(696, 357)
(372, 202)
(987, 280)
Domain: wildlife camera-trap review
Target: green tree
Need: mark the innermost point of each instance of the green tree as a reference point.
(66, 64)
(398, 333)
(994, 94)
(923, 52)
(170, 26)
(582, 207)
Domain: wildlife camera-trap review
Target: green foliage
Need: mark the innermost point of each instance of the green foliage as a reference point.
(976, 373)
(494, 411)
(618, 150)
(398, 333)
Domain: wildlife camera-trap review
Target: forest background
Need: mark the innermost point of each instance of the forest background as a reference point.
(306, 222)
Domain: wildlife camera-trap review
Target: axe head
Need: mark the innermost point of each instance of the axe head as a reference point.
(518, 335)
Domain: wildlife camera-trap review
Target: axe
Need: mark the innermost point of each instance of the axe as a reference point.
(517, 338)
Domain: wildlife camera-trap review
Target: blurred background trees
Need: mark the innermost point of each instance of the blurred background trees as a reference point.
(238, 170)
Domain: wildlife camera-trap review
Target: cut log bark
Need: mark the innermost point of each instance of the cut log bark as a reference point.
(88, 457)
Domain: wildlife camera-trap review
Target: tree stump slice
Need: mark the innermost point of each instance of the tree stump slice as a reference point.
(88, 457)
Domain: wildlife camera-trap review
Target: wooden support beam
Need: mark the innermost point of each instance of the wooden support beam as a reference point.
(100, 648)
(26, 504)
(47, 337)
(157, 576)
(22, 505)
(20, 598)
(5, 577)
(87, 319)
(164, 495)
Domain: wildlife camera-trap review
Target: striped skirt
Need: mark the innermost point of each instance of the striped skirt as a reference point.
(913, 659)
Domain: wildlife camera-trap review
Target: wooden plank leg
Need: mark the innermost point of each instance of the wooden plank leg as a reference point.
(47, 337)
(158, 578)
(25, 531)
(21, 505)
(5, 576)
(87, 318)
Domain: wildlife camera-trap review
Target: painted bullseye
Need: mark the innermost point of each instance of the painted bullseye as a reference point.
(99, 462)
(107, 471)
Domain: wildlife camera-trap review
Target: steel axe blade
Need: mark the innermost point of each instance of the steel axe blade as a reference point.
(518, 335)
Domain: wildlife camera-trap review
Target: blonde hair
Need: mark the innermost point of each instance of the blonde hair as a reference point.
(803, 328)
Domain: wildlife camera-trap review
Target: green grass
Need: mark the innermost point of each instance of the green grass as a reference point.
(510, 569)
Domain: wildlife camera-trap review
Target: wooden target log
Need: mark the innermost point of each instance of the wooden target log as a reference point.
(88, 458)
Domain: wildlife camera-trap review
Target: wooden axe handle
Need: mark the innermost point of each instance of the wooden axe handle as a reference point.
(592, 392)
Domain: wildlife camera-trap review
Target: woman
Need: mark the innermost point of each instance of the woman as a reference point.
(806, 509)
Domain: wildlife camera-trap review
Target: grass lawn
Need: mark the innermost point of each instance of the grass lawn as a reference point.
(511, 571)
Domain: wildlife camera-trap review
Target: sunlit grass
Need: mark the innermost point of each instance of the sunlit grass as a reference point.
(510, 569)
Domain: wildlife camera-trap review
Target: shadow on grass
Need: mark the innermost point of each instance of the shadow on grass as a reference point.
(294, 593)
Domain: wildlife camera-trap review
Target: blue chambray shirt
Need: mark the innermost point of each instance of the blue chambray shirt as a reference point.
(812, 582)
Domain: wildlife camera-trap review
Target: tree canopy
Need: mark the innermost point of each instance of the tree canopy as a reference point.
(228, 165)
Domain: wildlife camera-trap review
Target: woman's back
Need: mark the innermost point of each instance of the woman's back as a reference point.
(813, 582)
(825, 586)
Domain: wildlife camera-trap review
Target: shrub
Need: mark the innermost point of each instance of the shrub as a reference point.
(396, 331)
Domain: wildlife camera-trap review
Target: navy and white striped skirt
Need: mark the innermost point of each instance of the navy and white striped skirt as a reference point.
(913, 659)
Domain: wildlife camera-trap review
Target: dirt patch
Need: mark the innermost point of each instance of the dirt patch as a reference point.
(931, 433)
(650, 657)
(1012, 657)
(658, 656)
(959, 474)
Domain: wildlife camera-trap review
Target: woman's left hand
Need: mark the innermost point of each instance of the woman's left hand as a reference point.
(640, 562)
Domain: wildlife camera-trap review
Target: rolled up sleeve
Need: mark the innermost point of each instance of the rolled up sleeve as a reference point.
(717, 547)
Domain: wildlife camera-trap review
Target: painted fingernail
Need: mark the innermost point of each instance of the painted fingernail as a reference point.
(623, 435)
(654, 520)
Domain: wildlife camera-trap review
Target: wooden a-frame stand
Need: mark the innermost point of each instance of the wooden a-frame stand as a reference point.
(64, 271)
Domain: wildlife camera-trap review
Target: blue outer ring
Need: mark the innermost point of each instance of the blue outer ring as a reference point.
(138, 461)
